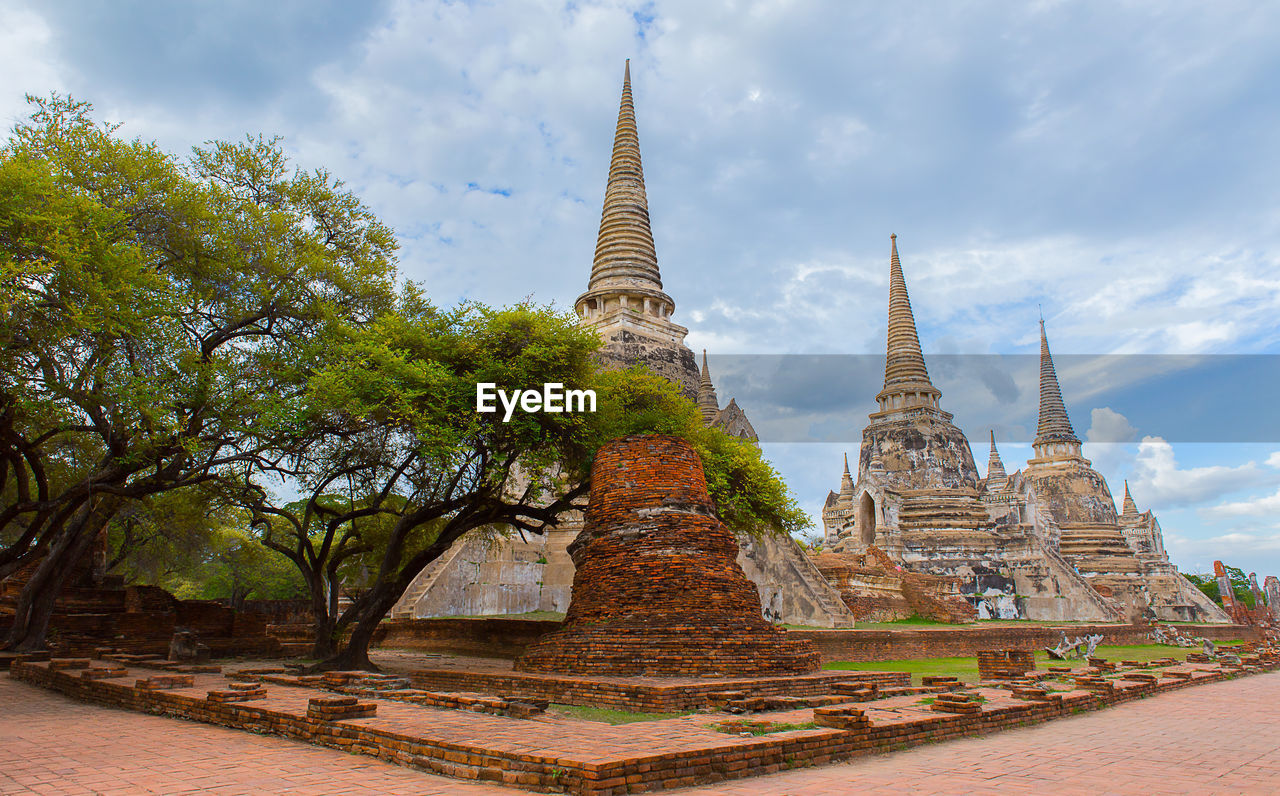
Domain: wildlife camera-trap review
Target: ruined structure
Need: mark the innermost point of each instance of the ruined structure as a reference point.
(626, 305)
(1040, 543)
(877, 590)
(139, 619)
(657, 589)
(918, 497)
(1271, 585)
(731, 419)
(1122, 556)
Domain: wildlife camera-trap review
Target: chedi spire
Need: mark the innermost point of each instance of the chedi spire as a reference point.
(906, 380)
(996, 475)
(708, 402)
(1054, 435)
(846, 480)
(624, 274)
(1130, 509)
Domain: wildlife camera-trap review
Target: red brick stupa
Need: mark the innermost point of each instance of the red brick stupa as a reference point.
(658, 590)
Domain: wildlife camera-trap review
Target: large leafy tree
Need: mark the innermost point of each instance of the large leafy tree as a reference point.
(152, 313)
(398, 464)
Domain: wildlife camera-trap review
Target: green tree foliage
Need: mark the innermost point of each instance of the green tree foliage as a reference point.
(1239, 586)
(197, 545)
(390, 424)
(225, 321)
(153, 311)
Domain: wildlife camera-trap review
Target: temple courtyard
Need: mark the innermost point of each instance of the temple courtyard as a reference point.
(1216, 738)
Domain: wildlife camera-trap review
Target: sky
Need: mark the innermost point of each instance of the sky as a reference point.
(1111, 166)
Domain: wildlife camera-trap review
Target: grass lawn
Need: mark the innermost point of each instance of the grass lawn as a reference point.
(608, 716)
(966, 668)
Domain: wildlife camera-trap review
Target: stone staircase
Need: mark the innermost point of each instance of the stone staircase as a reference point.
(819, 588)
(404, 608)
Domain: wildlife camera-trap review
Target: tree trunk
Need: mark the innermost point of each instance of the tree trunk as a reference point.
(372, 606)
(322, 618)
(39, 595)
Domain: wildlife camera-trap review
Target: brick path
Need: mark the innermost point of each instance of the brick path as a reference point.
(1220, 738)
(50, 744)
(1216, 738)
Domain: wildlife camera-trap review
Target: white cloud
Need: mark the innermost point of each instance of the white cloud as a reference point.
(1160, 482)
(1105, 440)
(1264, 506)
(27, 64)
(1254, 551)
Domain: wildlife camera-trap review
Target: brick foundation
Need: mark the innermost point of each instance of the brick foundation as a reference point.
(844, 731)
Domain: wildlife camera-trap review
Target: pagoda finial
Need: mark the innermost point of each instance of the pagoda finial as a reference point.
(708, 402)
(846, 480)
(996, 475)
(625, 252)
(904, 370)
(1130, 509)
(1054, 434)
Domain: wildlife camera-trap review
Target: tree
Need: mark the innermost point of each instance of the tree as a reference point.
(1240, 586)
(195, 543)
(398, 464)
(153, 312)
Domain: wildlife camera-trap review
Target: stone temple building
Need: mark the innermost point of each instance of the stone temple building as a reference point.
(1041, 543)
(625, 303)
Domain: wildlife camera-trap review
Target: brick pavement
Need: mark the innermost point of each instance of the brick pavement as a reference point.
(1220, 738)
(50, 744)
(1215, 738)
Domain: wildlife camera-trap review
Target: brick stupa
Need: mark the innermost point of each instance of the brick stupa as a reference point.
(658, 590)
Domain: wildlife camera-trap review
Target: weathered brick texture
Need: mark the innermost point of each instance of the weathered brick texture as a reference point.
(658, 590)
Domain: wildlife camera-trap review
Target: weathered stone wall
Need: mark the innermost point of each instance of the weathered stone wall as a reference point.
(1073, 494)
(792, 590)
(503, 576)
(670, 358)
(918, 451)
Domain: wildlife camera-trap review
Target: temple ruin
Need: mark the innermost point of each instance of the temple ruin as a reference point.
(1041, 543)
(657, 589)
(626, 305)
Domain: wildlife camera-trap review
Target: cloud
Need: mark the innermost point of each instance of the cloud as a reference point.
(1265, 506)
(1105, 440)
(1108, 425)
(1255, 551)
(25, 49)
(1160, 482)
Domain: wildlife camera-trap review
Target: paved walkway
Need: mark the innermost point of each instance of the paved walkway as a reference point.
(1217, 738)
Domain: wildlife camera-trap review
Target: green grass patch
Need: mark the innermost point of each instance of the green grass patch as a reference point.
(966, 668)
(609, 716)
(739, 726)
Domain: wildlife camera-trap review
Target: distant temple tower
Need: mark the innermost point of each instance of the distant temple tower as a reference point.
(624, 301)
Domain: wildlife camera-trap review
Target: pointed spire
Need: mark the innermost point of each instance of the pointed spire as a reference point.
(708, 402)
(1055, 425)
(996, 475)
(904, 369)
(625, 253)
(846, 480)
(1130, 508)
